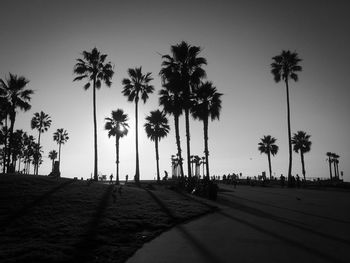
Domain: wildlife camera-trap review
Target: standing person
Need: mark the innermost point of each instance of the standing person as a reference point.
(110, 178)
(126, 179)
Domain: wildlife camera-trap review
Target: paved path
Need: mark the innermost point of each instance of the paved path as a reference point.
(258, 224)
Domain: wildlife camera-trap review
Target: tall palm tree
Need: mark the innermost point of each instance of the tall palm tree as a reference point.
(18, 96)
(330, 155)
(285, 67)
(117, 126)
(156, 128)
(172, 102)
(53, 157)
(138, 85)
(94, 68)
(207, 104)
(185, 61)
(42, 122)
(61, 137)
(301, 142)
(268, 146)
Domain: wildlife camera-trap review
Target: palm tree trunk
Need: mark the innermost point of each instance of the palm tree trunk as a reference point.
(117, 159)
(59, 157)
(36, 170)
(53, 163)
(335, 169)
(157, 159)
(137, 172)
(95, 130)
(330, 167)
(5, 148)
(177, 135)
(302, 164)
(12, 119)
(270, 169)
(187, 113)
(289, 135)
(206, 150)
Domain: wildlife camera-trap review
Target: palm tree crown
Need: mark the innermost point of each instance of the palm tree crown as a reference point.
(301, 142)
(41, 121)
(156, 126)
(285, 66)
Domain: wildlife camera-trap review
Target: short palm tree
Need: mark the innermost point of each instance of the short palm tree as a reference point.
(285, 67)
(207, 104)
(171, 100)
(335, 158)
(14, 89)
(61, 137)
(135, 87)
(268, 146)
(301, 142)
(185, 61)
(156, 128)
(94, 68)
(117, 126)
(53, 157)
(330, 156)
(42, 122)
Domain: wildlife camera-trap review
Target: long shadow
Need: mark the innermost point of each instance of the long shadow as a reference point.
(29, 207)
(289, 209)
(85, 248)
(263, 214)
(286, 240)
(207, 255)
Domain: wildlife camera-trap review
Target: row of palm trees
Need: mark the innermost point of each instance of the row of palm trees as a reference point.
(183, 91)
(18, 145)
(300, 141)
(333, 158)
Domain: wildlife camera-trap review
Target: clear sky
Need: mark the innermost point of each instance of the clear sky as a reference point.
(41, 40)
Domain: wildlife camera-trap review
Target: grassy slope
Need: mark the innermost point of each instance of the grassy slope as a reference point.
(61, 220)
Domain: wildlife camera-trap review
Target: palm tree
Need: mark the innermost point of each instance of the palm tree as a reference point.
(157, 128)
(53, 157)
(330, 155)
(285, 67)
(18, 96)
(172, 102)
(185, 61)
(268, 146)
(207, 104)
(301, 142)
(17, 147)
(135, 87)
(42, 122)
(335, 161)
(61, 137)
(28, 152)
(117, 126)
(93, 67)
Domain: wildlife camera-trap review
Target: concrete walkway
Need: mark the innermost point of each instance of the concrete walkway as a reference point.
(258, 224)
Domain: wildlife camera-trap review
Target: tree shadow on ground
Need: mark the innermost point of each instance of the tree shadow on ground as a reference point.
(85, 248)
(208, 256)
(29, 207)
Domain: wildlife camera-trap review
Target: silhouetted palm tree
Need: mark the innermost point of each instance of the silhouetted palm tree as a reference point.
(156, 128)
(18, 96)
(42, 122)
(207, 104)
(61, 137)
(138, 85)
(94, 68)
(335, 161)
(172, 102)
(268, 146)
(117, 126)
(28, 153)
(53, 156)
(301, 142)
(285, 67)
(329, 155)
(186, 62)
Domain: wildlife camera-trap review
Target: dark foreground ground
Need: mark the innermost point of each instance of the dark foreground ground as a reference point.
(261, 224)
(62, 220)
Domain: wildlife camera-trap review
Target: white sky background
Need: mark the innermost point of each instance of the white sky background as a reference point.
(42, 39)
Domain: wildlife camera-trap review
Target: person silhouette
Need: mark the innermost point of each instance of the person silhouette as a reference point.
(110, 178)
